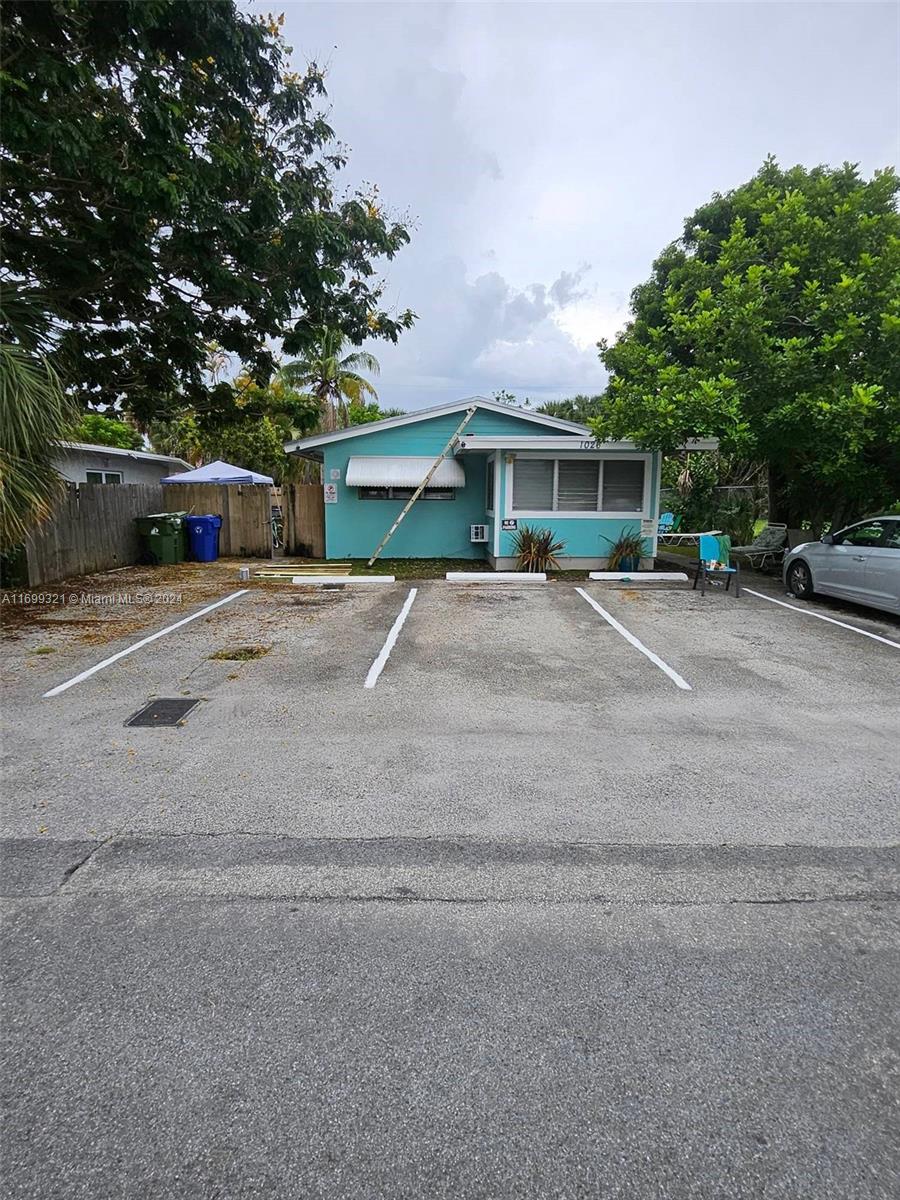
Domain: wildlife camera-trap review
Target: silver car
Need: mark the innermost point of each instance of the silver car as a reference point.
(859, 563)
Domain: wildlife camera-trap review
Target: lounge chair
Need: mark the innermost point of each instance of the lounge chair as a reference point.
(767, 546)
(678, 538)
(714, 559)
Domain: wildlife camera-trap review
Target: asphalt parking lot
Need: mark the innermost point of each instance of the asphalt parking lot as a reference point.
(454, 890)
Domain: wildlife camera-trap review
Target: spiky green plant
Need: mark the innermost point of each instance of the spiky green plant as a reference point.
(629, 544)
(536, 549)
(35, 414)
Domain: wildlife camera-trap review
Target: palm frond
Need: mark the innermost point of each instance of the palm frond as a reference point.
(35, 414)
(361, 358)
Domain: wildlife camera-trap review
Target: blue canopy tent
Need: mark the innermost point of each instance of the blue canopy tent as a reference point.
(219, 472)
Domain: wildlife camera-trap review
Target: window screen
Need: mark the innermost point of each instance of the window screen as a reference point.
(405, 493)
(623, 485)
(489, 489)
(94, 476)
(533, 484)
(577, 485)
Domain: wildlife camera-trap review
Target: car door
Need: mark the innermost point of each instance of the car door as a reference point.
(844, 569)
(882, 579)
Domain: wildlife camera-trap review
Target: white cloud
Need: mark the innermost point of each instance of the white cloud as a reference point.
(528, 139)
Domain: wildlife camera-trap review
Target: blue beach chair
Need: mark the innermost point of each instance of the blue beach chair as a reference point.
(713, 560)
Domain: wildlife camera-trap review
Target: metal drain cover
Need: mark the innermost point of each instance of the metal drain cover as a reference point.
(163, 712)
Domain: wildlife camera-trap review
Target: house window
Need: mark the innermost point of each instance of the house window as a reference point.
(578, 485)
(404, 493)
(623, 485)
(103, 476)
(533, 484)
(489, 486)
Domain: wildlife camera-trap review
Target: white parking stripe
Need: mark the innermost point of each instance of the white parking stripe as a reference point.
(638, 645)
(821, 616)
(378, 665)
(62, 687)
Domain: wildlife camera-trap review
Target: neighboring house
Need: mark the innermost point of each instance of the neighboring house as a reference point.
(82, 463)
(511, 468)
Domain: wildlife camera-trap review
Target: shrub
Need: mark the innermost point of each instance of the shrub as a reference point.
(536, 549)
(629, 544)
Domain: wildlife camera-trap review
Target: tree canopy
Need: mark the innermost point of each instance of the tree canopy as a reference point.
(100, 430)
(579, 409)
(773, 323)
(169, 181)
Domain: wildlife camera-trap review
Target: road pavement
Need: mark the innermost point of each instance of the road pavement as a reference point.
(525, 919)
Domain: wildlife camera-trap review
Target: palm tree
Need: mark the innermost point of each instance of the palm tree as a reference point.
(331, 379)
(35, 414)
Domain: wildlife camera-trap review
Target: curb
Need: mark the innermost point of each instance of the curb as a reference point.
(318, 580)
(640, 576)
(496, 577)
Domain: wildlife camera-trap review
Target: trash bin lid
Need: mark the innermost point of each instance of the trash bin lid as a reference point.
(166, 518)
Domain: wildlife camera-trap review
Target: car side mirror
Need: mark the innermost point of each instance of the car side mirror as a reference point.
(827, 539)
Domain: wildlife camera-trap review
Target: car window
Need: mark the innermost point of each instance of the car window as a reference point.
(892, 535)
(870, 534)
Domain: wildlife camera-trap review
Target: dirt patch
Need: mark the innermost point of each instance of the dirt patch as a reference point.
(148, 595)
(240, 653)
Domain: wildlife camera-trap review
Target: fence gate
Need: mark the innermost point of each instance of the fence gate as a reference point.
(303, 505)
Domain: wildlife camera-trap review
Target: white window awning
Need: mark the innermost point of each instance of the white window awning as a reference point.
(402, 471)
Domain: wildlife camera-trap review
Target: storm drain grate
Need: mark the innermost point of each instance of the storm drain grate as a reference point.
(163, 712)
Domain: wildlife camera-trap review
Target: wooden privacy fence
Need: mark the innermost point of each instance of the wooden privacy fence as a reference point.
(245, 509)
(303, 506)
(92, 527)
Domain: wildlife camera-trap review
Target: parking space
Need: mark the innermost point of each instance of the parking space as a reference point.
(491, 710)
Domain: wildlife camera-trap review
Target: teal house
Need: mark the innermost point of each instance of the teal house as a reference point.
(508, 467)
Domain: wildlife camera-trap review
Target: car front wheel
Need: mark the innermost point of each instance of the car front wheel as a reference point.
(799, 580)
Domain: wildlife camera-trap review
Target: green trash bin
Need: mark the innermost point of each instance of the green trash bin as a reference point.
(162, 537)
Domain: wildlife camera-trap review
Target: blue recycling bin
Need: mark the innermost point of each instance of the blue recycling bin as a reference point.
(203, 536)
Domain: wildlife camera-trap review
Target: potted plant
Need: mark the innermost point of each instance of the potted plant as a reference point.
(626, 551)
(536, 549)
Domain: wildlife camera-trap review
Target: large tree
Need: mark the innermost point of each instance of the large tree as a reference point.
(773, 323)
(169, 181)
(248, 429)
(332, 377)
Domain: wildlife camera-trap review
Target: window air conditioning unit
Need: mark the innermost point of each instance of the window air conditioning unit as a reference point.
(478, 533)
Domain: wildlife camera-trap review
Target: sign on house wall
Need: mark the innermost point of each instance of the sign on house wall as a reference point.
(330, 490)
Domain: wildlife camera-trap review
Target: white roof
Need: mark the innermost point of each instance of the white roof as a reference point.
(424, 414)
(219, 472)
(144, 455)
(402, 471)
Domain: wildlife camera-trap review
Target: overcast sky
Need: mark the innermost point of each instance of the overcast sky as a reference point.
(547, 152)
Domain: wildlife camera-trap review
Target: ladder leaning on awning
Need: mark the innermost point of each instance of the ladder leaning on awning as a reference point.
(470, 413)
